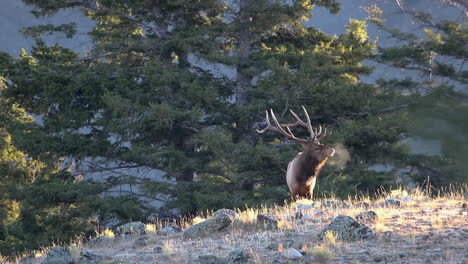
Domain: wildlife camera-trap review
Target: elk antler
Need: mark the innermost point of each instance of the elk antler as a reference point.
(314, 134)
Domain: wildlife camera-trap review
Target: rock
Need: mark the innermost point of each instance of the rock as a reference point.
(363, 251)
(273, 246)
(239, 256)
(333, 204)
(58, 255)
(88, 257)
(212, 225)
(99, 240)
(301, 207)
(298, 215)
(289, 243)
(385, 258)
(294, 243)
(392, 202)
(169, 230)
(268, 221)
(363, 205)
(319, 213)
(347, 228)
(407, 199)
(158, 249)
(367, 217)
(26, 260)
(380, 258)
(141, 242)
(403, 254)
(228, 212)
(291, 254)
(208, 259)
(387, 236)
(132, 228)
(110, 222)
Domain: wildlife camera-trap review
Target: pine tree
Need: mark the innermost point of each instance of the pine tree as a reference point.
(40, 203)
(149, 94)
(438, 108)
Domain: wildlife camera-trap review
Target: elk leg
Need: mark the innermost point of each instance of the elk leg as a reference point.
(311, 186)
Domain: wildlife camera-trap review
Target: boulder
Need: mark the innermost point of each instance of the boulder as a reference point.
(132, 228)
(301, 207)
(27, 260)
(291, 254)
(294, 243)
(333, 204)
(169, 230)
(363, 205)
(268, 221)
(212, 225)
(273, 246)
(239, 256)
(347, 228)
(58, 255)
(141, 242)
(88, 257)
(392, 202)
(367, 217)
(158, 249)
(208, 259)
(228, 212)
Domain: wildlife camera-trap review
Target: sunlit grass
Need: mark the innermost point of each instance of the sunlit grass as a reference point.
(330, 239)
(321, 254)
(108, 233)
(198, 220)
(420, 215)
(248, 216)
(151, 228)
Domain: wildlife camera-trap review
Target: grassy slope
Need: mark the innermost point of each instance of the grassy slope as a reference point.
(423, 230)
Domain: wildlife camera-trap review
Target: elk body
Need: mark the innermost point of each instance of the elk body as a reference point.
(304, 168)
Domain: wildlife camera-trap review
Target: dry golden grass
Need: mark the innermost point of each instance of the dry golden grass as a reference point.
(423, 230)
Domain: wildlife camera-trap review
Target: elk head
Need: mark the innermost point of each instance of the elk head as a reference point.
(305, 167)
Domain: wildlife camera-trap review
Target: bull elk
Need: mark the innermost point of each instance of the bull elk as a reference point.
(304, 168)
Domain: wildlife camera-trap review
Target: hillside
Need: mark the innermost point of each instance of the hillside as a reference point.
(409, 228)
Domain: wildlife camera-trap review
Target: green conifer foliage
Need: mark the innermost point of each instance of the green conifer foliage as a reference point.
(438, 108)
(181, 86)
(151, 94)
(40, 202)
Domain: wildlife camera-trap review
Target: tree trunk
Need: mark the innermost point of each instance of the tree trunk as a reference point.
(186, 144)
(243, 77)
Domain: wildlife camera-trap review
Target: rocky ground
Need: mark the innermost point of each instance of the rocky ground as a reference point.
(403, 229)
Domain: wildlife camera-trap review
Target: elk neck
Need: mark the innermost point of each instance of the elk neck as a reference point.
(309, 165)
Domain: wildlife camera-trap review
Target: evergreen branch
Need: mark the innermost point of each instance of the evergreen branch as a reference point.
(383, 110)
(455, 77)
(377, 111)
(196, 130)
(457, 3)
(100, 56)
(97, 168)
(101, 169)
(160, 33)
(137, 194)
(414, 14)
